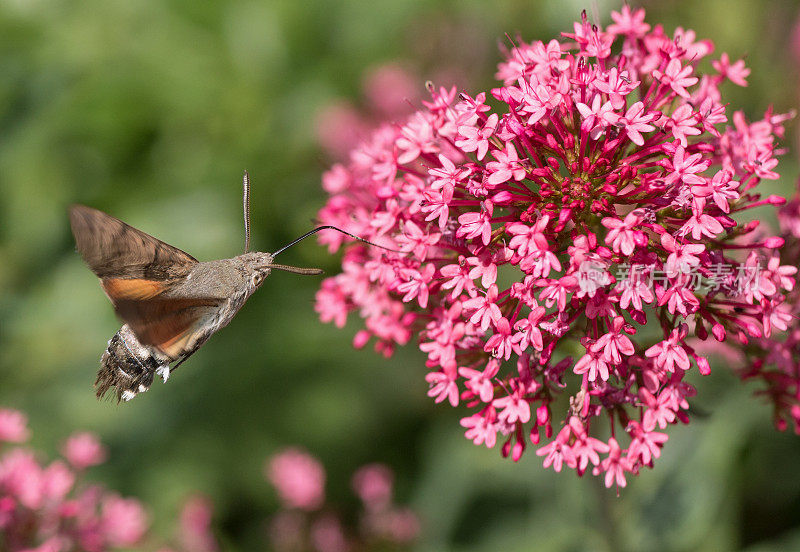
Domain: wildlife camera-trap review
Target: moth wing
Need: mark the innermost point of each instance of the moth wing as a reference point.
(140, 273)
(112, 248)
(171, 325)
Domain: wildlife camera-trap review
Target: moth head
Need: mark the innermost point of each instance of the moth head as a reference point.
(257, 266)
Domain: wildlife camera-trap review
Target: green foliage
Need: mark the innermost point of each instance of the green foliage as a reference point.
(151, 110)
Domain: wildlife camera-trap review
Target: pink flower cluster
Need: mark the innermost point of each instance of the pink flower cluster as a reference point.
(43, 508)
(775, 361)
(515, 211)
(46, 508)
(307, 523)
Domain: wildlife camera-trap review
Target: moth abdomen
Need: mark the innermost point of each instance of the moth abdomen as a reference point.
(129, 366)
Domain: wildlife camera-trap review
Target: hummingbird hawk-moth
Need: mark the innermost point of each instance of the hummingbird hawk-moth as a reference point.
(170, 302)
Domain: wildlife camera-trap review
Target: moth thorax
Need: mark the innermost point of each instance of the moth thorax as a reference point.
(129, 366)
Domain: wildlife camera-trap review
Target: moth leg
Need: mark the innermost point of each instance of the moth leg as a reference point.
(184, 358)
(163, 371)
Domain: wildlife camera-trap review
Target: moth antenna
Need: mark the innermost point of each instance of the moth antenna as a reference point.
(246, 202)
(328, 227)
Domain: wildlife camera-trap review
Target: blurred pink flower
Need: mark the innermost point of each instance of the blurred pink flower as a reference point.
(403, 525)
(373, 484)
(123, 520)
(21, 478)
(340, 128)
(13, 426)
(391, 93)
(43, 510)
(327, 535)
(298, 477)
(381, 522)
(391, 90)
(83, 450)
(57, 481)
(195, 526)
(794, 41)
(54, 544)
(287, 531)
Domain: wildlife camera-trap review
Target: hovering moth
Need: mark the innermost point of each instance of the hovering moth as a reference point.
(170, 302)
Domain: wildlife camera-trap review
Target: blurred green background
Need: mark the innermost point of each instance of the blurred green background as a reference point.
(150, 110)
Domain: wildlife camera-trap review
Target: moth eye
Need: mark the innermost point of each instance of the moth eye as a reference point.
(257, 279)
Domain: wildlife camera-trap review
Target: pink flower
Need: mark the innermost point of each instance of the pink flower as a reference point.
(447, 176)
(390, 88)
(736, 72)
(123, 521)
(701, 224)
(21, 477)
(513, 408)
(414, 239)
(535, 99)
(195, 526)
(298, 477)
(597, 117)
(484, 309)
(13, 426)
(57, 480)
(685, 169)
(506, 167)
(477, 224)
(417, 139)
(614, 344)
(659, 410)
(585, 449)
(327, 535)
(477, 139)
(676, 77)
(459, 278)
(83, 450)
(622, 233)
(339, 128)
(681, 257)
(628, 22)
(381, 522)
(417, 285)
(617, 85)
(635, 122)
(443, 386)
(480, 429)
(502, 343)
(529, 333)
(614, 466)
(594, 363)
(684, 123)
(669, 354)
(557, 452)
(373, 484)
(480, 383)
